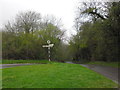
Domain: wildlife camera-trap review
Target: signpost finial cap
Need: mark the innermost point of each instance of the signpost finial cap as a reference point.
(48, 41)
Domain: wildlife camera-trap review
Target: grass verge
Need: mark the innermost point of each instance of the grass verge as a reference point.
(55, 75)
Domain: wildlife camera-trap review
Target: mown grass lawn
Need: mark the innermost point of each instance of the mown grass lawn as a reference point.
(55, 75)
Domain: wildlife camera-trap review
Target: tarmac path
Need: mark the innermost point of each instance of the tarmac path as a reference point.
(12, 65)
(109, 72)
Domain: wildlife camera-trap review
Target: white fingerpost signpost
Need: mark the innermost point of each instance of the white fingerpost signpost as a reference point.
(49, 46)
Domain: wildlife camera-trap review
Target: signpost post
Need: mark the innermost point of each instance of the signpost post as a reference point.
(49, 46)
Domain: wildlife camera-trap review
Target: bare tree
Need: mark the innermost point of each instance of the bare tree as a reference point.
(91, 11)
(50, 19)
(26, 22)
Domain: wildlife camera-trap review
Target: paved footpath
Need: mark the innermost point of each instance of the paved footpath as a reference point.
(12, 65)
(109, 72)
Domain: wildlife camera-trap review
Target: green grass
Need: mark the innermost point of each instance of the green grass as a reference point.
(112, 64)
(25, 61)
(55, 75)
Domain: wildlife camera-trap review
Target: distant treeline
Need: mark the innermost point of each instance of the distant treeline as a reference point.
(23, 39)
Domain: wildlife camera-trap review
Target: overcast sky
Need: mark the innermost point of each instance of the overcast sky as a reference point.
(64, 9)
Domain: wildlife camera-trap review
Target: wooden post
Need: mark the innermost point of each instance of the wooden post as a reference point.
(49, 46)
